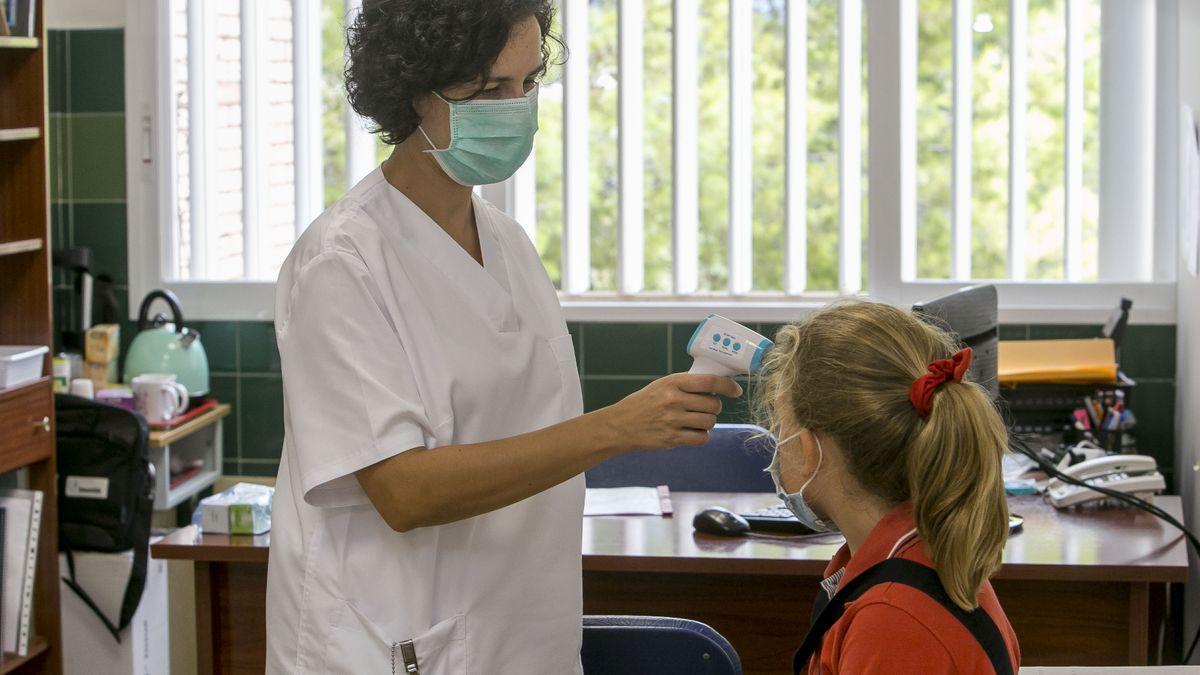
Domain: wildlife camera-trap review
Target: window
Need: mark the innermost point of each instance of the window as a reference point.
(755, 155)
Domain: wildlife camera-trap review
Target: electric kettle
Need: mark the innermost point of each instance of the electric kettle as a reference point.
(163, 346)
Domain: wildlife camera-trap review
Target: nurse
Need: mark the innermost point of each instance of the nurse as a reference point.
(428, 511)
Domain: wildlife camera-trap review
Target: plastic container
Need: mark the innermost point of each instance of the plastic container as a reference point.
(20, 365)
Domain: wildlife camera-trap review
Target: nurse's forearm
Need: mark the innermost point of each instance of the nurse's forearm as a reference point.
(424, 487)
(421, 487)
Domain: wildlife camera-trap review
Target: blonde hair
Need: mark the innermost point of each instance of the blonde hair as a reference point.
(845, 372)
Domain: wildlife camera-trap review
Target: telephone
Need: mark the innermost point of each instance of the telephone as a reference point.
(1132, 474)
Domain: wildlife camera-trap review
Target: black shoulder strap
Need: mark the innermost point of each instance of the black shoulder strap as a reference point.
(923, 579)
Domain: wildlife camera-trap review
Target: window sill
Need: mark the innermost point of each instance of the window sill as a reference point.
(1033, 302)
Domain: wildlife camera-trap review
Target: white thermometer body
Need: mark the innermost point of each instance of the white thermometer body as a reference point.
(727, 348)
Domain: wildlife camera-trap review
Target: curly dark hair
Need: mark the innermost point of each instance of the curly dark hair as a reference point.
(399, 49)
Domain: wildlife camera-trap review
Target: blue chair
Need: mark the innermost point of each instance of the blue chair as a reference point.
(733, 460)
(655, 645)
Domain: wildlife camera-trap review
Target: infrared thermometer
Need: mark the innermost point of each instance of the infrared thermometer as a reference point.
(727, 348)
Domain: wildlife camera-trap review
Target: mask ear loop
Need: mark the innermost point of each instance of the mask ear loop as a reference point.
(433, 148)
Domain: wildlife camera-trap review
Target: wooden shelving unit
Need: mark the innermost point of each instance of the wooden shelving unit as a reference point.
(27, 412)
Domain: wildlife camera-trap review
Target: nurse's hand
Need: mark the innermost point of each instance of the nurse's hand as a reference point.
(675, 410)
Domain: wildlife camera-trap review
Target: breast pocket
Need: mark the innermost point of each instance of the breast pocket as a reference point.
(568, 373)
(358, 645)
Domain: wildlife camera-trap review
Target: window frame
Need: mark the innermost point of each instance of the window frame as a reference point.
(150, 244)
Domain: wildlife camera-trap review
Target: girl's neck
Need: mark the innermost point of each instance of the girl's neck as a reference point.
(856, 515)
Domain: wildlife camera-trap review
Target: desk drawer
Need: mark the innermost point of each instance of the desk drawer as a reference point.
(26, 426)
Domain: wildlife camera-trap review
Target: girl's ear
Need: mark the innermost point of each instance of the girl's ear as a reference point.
(798, 460)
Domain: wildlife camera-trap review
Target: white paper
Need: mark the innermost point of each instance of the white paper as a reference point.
(626, 501)
(1189, 192)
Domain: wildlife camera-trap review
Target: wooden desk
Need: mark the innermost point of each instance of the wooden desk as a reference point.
(1081, 588)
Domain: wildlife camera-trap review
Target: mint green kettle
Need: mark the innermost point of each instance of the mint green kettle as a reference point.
(163, 346)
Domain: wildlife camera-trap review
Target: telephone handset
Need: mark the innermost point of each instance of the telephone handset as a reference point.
(1132, 474)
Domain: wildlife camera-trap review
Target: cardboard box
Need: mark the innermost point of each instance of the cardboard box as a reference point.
(102, 375)
(89, 648)
(103, 343)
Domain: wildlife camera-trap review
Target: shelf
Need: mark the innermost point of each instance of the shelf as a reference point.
(11, 662)
(20, 134)
(18, 42)
(5, 393)
(165, 437)
(20, 246)
(188, 489)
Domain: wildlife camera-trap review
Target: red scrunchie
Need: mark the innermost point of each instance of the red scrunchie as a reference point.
(922, 390)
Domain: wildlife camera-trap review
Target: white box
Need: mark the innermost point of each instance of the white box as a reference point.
(88, 647)
(20, 364)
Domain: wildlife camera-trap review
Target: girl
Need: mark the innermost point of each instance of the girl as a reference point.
(884, 440)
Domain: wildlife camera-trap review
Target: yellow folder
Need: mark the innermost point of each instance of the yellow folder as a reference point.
(1071, 361)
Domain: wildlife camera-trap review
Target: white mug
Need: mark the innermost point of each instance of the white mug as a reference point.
(83, 387)
(158, 397)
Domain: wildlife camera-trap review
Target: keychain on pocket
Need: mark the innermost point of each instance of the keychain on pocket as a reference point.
(408, 655)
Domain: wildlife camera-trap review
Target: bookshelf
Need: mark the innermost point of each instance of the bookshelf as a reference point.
(27, 412)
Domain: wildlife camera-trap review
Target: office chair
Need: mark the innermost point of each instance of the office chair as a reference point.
(733, 460)
(655, 645)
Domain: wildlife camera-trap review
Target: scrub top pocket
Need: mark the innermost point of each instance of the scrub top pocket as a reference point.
(572, 392)
(358, 646)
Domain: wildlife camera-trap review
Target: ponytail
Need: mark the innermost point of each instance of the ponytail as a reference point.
(848, 372)
(954, 476)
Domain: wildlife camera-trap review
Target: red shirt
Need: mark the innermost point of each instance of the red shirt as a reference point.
(893, 628)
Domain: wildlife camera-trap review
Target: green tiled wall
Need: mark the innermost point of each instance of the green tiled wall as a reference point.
(88, 209)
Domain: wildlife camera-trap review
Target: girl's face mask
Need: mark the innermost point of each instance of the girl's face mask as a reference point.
(795, 501)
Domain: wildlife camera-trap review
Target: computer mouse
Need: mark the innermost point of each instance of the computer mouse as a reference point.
(720, 521)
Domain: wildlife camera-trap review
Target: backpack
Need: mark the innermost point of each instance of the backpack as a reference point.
(105, 492)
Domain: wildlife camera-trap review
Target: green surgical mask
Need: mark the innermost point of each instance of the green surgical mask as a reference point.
(489, 140)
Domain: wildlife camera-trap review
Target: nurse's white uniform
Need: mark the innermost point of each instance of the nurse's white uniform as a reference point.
(392, 337)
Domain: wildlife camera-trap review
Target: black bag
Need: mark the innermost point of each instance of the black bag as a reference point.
(105, 492)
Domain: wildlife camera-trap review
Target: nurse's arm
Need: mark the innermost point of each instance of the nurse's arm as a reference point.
(425, 487)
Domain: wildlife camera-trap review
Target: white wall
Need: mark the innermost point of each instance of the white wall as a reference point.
(1187, 381)
(77, 14)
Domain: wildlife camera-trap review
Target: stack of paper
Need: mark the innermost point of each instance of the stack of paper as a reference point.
(1067, 361)
(625, 501)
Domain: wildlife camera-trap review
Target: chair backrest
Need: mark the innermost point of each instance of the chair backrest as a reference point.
(733, 460)
(641, 645)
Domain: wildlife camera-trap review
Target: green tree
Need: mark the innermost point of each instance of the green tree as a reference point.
(990, 79)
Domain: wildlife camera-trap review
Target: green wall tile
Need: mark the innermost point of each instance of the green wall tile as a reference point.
(261, 469)
(1148, 351)
(220, 343)
(1062, 331)
(230, 468)
(59, 162)
(625, 348)
(677, 356)
(1154, 405)
(600, 393)
(1014, 331)
(258, 351)
(56, 69)
(96, 156)
(96, 62)
(224, 388)
(262, 417)
(102, 228)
